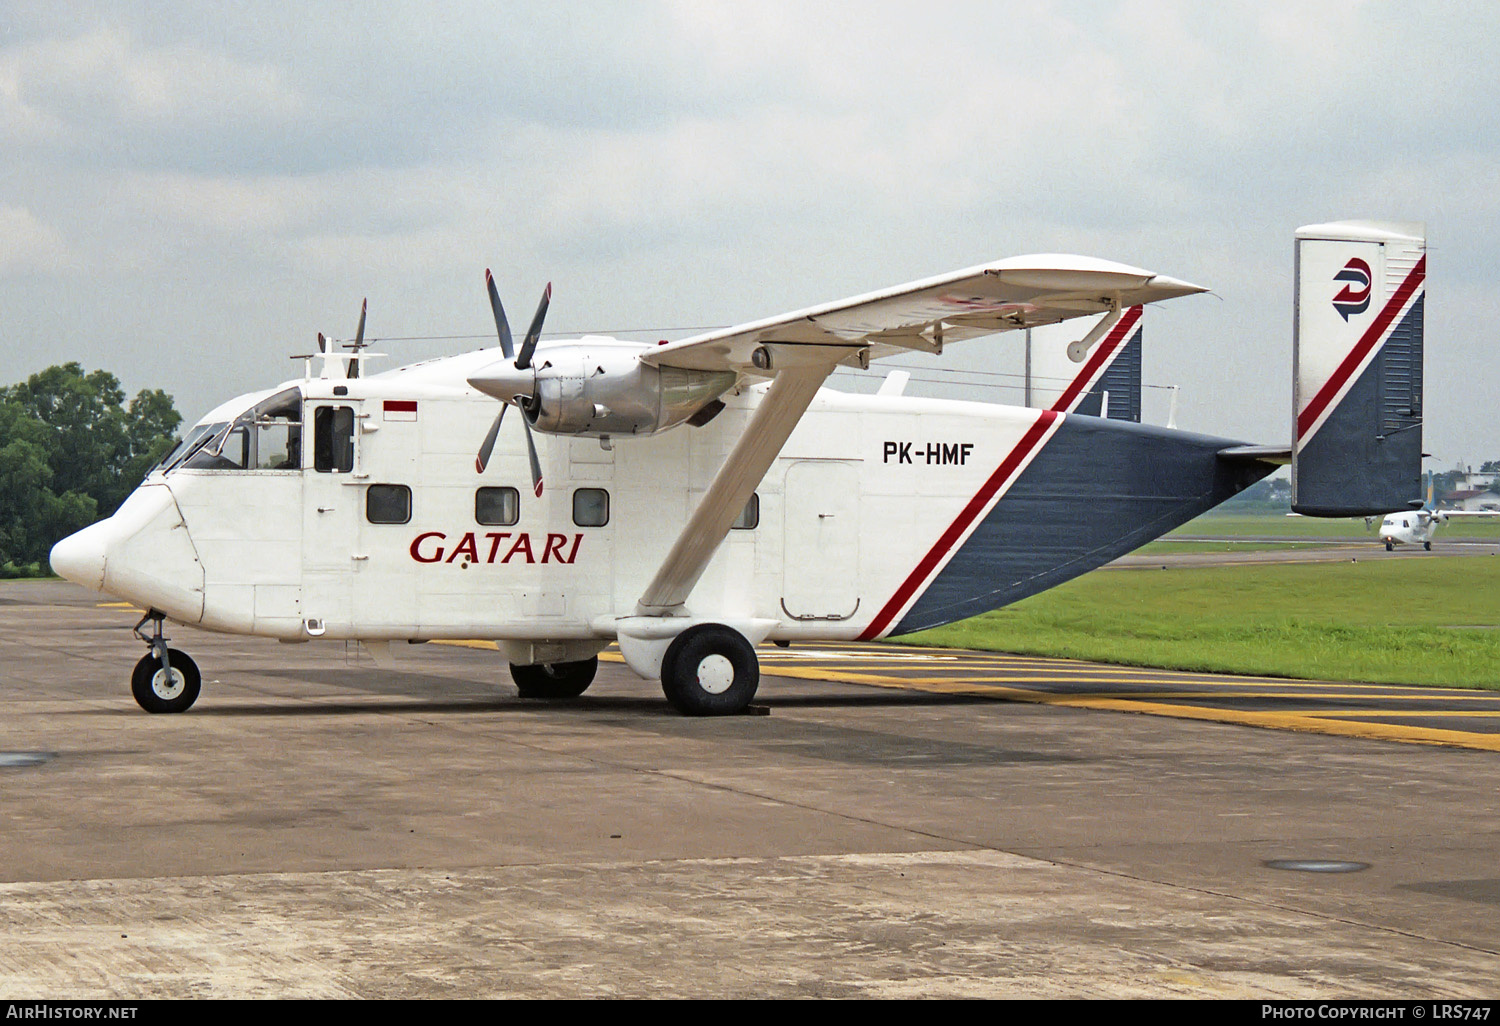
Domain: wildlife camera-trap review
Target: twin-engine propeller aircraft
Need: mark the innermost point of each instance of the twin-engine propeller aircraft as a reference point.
(1413, 527)
(1417, 527)
(691, 500)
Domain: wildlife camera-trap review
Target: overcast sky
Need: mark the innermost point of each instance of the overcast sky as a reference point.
(190, 191)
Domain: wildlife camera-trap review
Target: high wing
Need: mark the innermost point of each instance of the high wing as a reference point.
(799, 350)
(1019, 292)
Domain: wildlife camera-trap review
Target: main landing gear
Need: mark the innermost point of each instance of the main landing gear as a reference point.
(555, 680)
(166, 680)
(710, 670)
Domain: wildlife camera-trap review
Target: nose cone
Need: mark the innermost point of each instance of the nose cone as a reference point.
(504, 381)
(80, 557)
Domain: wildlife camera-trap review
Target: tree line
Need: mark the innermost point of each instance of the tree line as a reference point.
(71, 450)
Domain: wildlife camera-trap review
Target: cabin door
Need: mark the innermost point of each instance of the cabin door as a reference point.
(330, 521)
(820, 575)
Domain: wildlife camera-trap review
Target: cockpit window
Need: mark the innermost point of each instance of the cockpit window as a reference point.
(187, 446)
(268, 436)
(278, 432)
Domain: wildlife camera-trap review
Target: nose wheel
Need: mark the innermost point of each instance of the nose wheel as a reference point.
(166, 680)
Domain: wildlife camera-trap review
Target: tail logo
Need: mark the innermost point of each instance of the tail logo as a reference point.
(1353, 298)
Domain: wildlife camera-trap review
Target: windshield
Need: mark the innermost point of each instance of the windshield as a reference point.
(196, 439)
(268, 436)
(185, 445)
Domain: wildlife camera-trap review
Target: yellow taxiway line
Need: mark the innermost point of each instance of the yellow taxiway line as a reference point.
(1339, 722)
(1320, 722)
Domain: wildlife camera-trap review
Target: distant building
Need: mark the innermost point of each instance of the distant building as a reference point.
(1471, 500)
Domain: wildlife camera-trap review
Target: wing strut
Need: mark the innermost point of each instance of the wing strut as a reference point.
(800, 371)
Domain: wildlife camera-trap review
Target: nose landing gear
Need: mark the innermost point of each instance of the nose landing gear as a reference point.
(166, 680)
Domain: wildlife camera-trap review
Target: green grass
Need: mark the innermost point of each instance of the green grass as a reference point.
(1418, 621)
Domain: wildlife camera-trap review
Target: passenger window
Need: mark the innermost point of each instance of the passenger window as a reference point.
(590, 507)
(497, 507)
(388, 504)
(749, 518)
(333, 439)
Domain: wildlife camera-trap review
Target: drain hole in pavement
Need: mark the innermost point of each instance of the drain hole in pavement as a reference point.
(1316, 865)
(24, 758)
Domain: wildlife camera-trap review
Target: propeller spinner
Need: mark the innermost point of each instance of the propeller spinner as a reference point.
(514, 385)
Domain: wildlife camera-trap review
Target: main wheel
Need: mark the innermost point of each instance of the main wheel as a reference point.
(156, 692)
(1427, 546)
(710, 670)
(555, 680)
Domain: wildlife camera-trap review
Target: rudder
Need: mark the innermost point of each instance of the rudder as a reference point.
(1357, 368)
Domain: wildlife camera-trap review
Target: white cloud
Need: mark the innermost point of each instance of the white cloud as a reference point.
(28, 245)
(97, 88)
(250, 171)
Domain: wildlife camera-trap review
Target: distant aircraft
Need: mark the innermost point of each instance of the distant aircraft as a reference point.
(706, 495)
(1417, 527)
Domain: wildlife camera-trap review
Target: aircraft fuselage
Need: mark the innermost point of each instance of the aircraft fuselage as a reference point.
(882, 514)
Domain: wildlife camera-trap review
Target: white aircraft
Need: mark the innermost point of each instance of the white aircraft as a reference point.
(1417, 527)
(1414, 527)
(707, 495)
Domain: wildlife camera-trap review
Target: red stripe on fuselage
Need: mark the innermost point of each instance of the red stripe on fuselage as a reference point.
(1101, 356)
(976, 506)
(1331, 388)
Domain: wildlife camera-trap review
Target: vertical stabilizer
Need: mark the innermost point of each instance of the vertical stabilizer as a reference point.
(1106, 384)
(1357, 368)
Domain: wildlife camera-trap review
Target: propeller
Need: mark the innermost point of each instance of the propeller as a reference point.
(524, 382)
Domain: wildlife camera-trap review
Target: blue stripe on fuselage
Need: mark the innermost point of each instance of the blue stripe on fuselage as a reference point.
(1097, 490)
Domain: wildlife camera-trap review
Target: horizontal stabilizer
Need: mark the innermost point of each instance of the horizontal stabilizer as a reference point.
(1278, 454)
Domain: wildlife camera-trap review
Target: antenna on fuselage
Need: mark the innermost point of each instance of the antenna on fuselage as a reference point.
(335, 365)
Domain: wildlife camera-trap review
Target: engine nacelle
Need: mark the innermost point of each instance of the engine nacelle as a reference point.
(601, 387)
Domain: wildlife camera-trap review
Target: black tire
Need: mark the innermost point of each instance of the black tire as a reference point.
(1427, 546)
(1389, 546)
(555, 680)
(710, 670)
(147, 683)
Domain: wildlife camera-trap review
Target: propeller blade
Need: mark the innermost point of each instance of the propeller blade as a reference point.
(534, 333)
(483, 459)
(536, 464)
(502, 326)
(359, 341)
